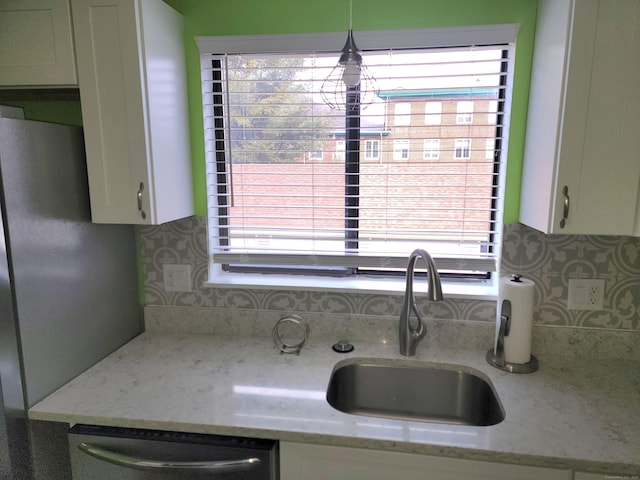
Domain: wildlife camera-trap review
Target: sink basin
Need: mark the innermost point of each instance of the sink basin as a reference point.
(386, 389)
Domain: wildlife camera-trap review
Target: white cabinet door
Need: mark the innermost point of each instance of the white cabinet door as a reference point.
(133, 93)
(36, 44)
(582, 148)
(319, 462)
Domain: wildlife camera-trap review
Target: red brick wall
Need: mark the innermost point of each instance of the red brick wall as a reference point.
(446, 194)
(389, 195)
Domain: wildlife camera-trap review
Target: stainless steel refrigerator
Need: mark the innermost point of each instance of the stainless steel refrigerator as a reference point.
(68, 288)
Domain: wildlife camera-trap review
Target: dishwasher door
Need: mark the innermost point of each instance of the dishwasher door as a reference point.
(109, 453)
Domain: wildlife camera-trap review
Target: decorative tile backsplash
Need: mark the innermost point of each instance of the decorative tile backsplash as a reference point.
(549, 260)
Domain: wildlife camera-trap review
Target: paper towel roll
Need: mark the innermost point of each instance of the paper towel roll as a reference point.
(517, 344)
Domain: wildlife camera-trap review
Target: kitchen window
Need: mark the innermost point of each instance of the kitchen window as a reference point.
(278, 219)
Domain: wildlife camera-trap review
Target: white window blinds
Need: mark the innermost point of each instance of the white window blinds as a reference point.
(292, 183)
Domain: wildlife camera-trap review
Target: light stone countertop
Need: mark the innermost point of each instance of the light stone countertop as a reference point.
(572, 413)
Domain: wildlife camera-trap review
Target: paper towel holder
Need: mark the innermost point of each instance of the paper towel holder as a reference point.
(495, 357)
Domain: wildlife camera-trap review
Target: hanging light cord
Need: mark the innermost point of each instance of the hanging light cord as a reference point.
(350, 14)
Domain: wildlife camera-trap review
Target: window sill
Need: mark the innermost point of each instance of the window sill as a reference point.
(468, 290)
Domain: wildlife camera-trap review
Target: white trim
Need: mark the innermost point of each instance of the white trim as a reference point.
(365, 40)
(477, 263)
(468, 290)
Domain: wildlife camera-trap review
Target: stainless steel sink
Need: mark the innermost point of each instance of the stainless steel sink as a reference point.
(382, 388)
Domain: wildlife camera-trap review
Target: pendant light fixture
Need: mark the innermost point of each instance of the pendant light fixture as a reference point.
(349, 75)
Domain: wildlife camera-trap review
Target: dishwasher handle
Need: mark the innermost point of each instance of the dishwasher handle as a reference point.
(219, 466)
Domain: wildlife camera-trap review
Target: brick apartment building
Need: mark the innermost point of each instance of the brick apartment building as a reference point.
(441, 142)
(425, 125)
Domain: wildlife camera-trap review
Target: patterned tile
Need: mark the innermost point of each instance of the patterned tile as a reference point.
(549, 260)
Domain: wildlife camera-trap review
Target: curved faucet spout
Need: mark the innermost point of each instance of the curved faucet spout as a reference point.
(409, 336)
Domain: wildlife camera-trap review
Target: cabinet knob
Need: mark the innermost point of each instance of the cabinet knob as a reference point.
(140, 190)
(565, 208)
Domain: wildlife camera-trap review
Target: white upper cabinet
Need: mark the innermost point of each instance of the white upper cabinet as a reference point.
(36, 44)
(133, 91)
(581, 171)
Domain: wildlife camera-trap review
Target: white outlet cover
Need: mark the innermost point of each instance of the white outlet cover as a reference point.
(585, 294)
(177, 277)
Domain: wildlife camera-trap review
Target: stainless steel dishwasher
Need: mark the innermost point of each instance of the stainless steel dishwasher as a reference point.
(109, 453)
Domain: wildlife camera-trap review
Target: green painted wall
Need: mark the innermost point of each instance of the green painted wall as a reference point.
(46, 105)
(255, 17)
(67, 113)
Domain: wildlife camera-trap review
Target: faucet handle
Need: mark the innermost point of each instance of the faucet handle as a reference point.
(409, 336)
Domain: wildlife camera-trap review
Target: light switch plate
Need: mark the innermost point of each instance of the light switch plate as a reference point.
(177, 277)
(585, 294)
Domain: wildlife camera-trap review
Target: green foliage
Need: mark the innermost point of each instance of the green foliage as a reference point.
(272, 115)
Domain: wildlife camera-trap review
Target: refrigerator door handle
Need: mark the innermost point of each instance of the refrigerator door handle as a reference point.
(219, 466)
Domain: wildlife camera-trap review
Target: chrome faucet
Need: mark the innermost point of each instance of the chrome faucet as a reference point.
(410, 336)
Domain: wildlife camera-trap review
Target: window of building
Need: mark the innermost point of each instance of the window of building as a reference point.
(277, 220)
(402, 114)
(490, 144)
(431, 149)
(464, 112)
(433, 113)
(315, 155)
(492, 115)
(462, 149)
(401, 149)
(338, 154)
(371, 149)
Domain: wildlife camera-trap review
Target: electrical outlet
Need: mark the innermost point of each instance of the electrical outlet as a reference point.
(177, 278)
(585, 294)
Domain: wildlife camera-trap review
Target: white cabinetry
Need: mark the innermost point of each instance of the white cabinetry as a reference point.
(584, 118)
(319, 462)
(132, 78)
(36, 44)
